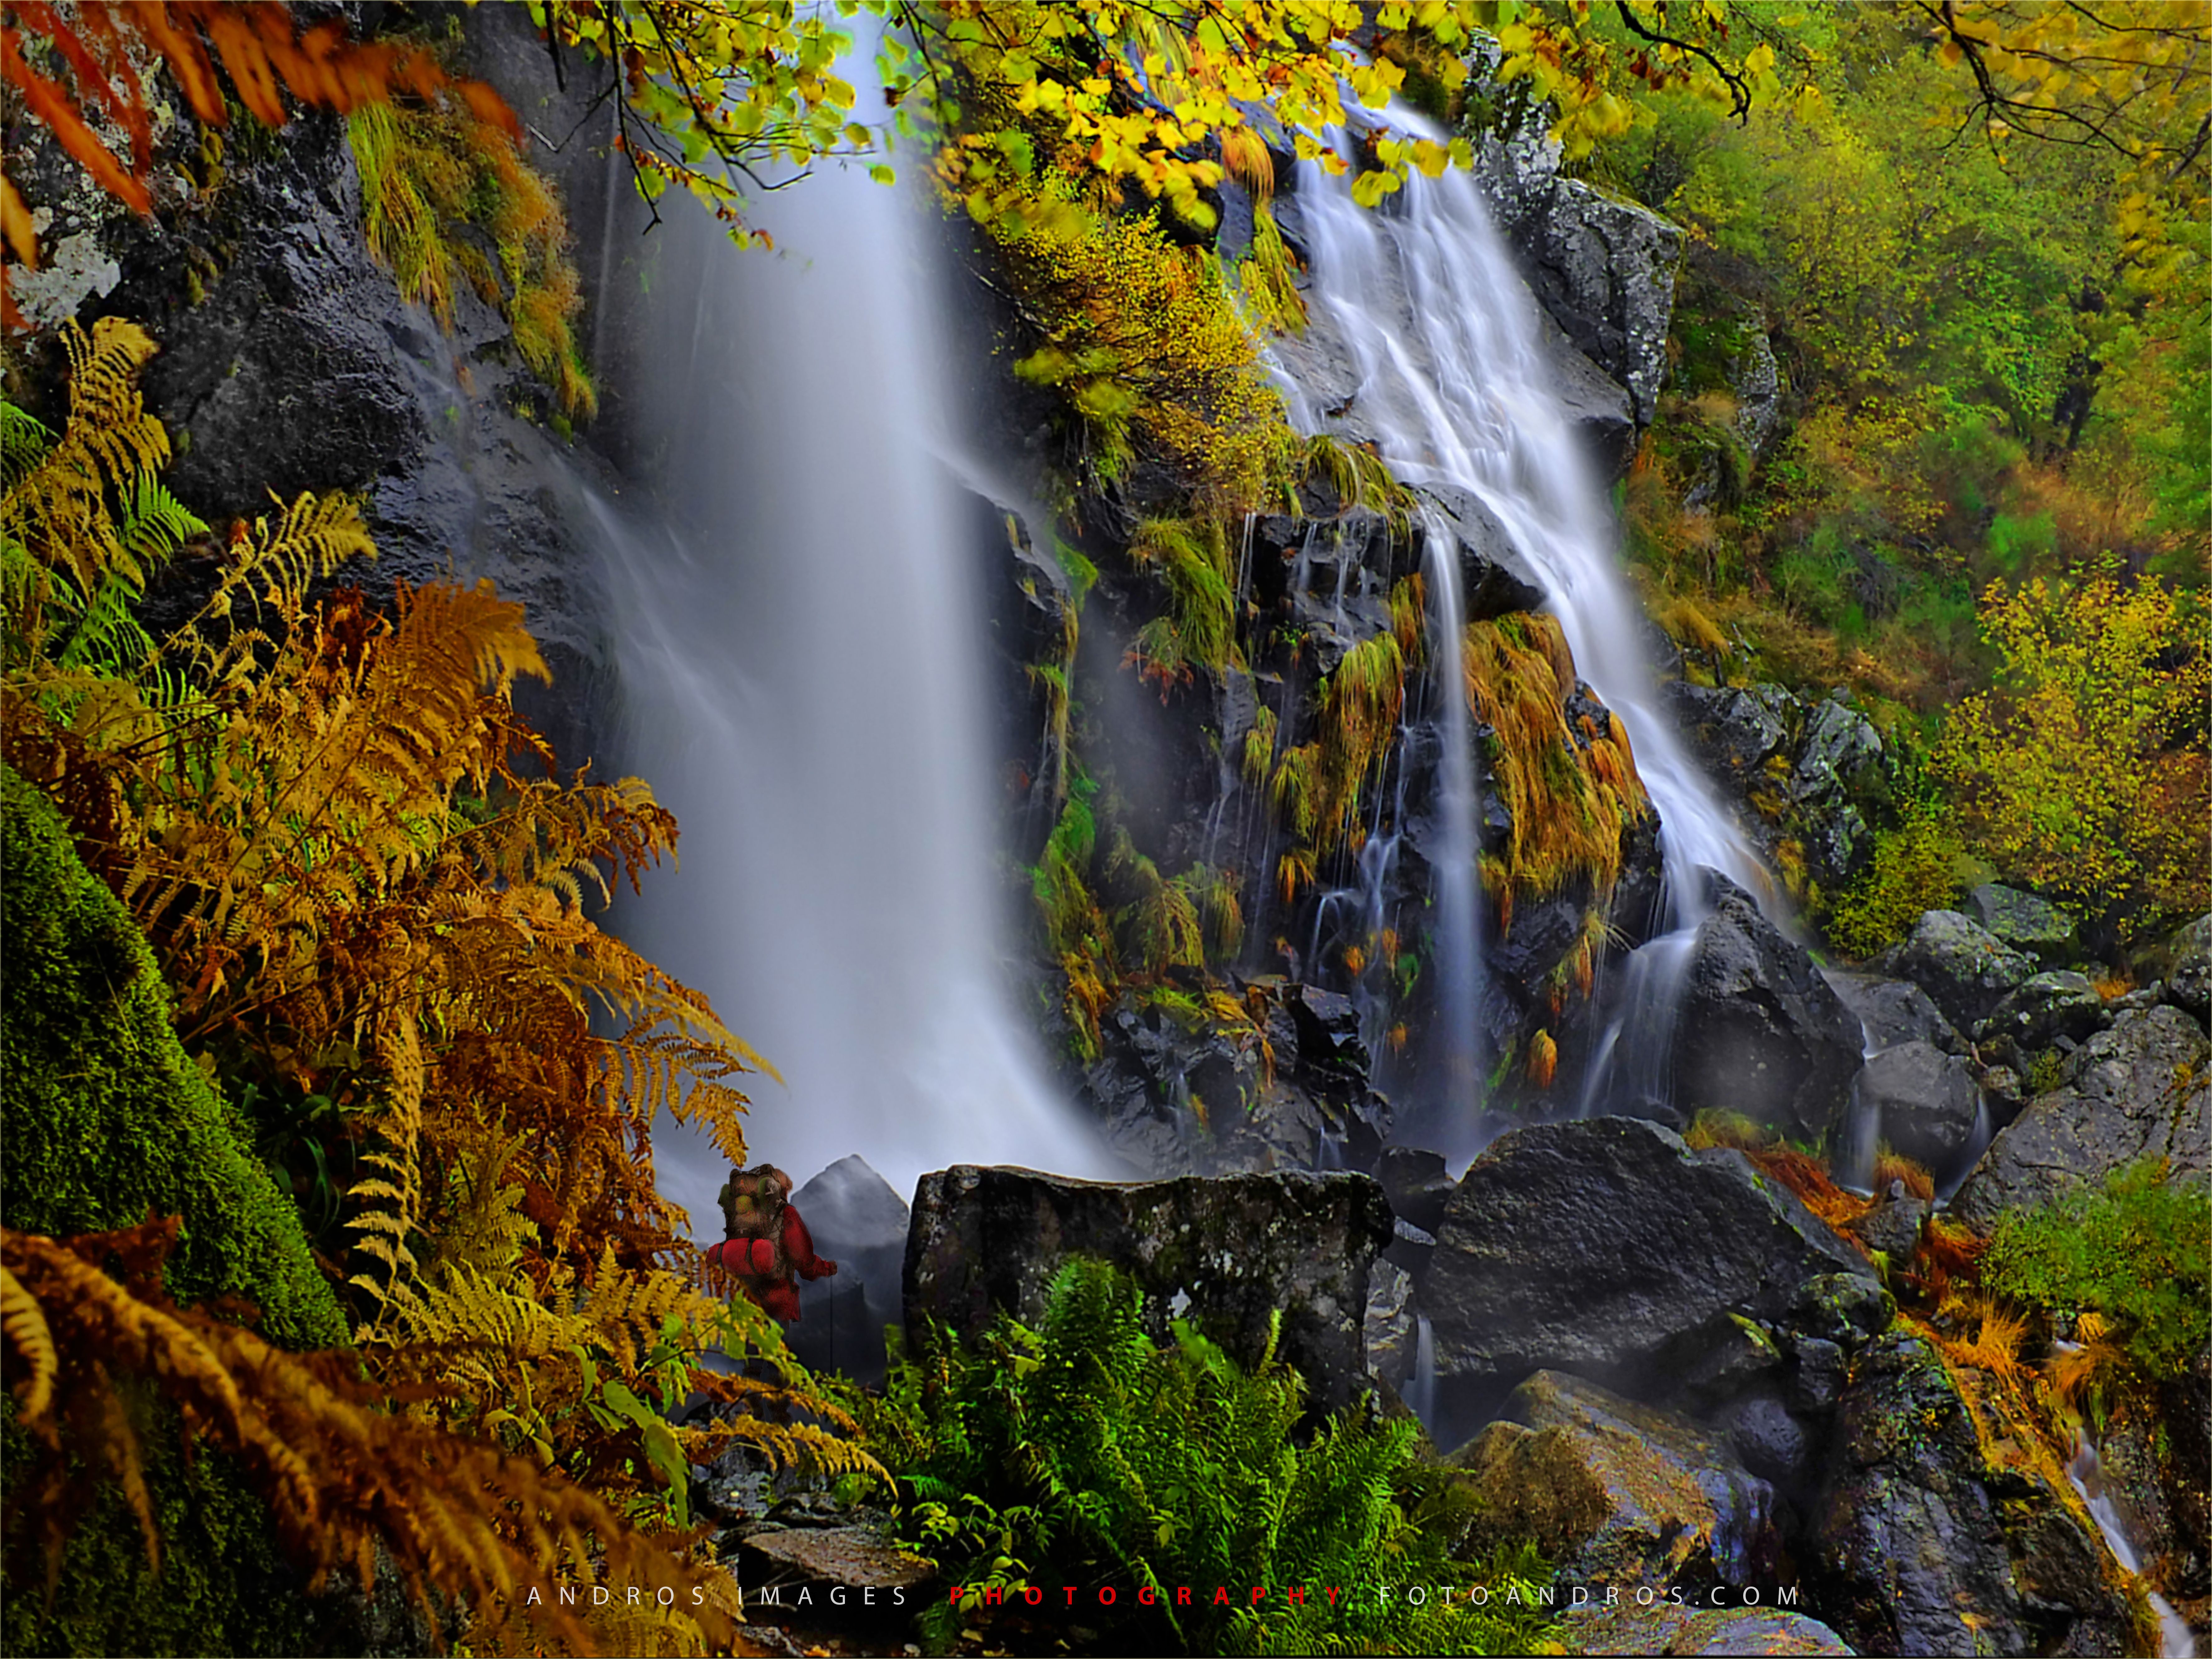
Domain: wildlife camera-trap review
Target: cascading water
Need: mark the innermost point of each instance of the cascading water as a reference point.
(798, 653)
(2087, 1471)
(1456, 390)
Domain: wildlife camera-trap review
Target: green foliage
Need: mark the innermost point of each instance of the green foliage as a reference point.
(224, 1585)
(106, 1117)
(1915, 868)
(1087, 1452)
(1198, 628)
(1143, 340)
(2085, 772)
(436, 188)
(2136, 1251)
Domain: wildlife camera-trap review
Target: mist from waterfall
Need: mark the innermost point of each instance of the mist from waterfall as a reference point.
(799, 670)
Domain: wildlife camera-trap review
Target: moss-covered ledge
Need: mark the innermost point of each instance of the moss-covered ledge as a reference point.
(102, 1115)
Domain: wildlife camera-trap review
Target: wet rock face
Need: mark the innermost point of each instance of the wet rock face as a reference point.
(1618, 1494)
(1735, 728)
(1602, 1245)
(1603, 268)
(1909, 1553)
(298, 368)
(2139, 1089)
(1966, 969)
(1925, 1101)
(1231, 1250)
(1171, 1101)
(1760, 1031)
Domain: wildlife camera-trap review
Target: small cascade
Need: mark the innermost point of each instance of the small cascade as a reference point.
(1421, 1391)
(1459, 936)
(2087, 1471)
(1859, 1144)
(1457, 389)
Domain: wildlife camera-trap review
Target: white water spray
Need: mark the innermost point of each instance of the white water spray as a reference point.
(799, 678)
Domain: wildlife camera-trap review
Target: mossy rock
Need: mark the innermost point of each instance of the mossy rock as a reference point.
(225, 1584)
(105, 1118)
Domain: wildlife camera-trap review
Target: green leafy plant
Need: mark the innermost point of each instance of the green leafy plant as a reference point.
(2137, 1251)
(1088, 1447)
(1914, 869)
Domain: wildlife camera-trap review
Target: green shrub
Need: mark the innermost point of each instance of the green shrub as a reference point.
(2136, 1251)
(1085, 1453)
(1915, 868)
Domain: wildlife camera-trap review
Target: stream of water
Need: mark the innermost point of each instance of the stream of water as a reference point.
(2087, 1471)
(1457, 389)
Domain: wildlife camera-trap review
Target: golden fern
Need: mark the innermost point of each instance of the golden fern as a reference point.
(463, 1523)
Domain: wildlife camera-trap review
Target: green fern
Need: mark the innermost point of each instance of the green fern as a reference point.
(1087, 1447)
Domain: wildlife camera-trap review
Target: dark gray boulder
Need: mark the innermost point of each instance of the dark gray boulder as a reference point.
(1893, 1010)
(1769, 1438)
(1616, 1492)
(2140, 1090)
(1602, 1244)
(1759, 1031)
(1839, 759)
(1924, 1100)
(2044, 1009)
(2027, 922)
(1416, 1183)
(1963, 967)
(2186, 959)
(858, 1220)
(1603, 268)
(1892, 1226)
(1735, 728)
(1231, 1250)
(1908, 1554)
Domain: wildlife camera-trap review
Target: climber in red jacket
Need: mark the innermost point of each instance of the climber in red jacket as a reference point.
(766, 1245)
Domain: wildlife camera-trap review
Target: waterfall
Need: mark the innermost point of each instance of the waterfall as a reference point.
(799, 678)
(2087, 1471)
(1456, 387)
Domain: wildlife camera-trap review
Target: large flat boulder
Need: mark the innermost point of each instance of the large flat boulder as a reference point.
(2140, 1090)
(1227, 1251)
(1760, 1032)
(1616, 1492)
(1600, 1245)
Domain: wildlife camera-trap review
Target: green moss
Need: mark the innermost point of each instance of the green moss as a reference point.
(105, 1117)
(224, 1585)
(2137, 1251)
